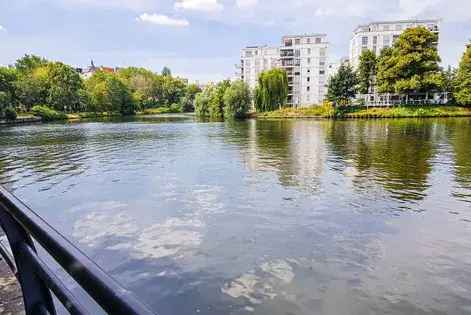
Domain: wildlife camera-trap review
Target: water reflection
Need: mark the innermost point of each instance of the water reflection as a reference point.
(260, 217)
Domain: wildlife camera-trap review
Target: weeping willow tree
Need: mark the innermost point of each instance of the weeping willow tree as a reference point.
(272, 90)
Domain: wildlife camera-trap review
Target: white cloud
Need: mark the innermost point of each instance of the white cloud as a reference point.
(199, 5)
(160, 19)
(2, 29)
(244, 4)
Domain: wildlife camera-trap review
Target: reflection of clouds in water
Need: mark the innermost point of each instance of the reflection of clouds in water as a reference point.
(263, 283)
(118, 231)
(175, 236)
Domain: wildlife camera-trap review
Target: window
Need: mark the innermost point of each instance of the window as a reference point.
(318, 40)
(308, 88)
(308, 70)
(288, 42)
(322, 52)
(308, 40)
(386, 27)
(386, 40)
(308, 60)
(364, 41)
(375, 40)
(309, 51)
(322, 63)
(308, 79)
(248, 54)
(398, 27)
(321, 72)
(297, 41)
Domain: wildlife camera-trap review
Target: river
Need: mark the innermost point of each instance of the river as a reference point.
(260, 217)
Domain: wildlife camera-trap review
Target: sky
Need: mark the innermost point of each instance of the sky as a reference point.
(201, 39)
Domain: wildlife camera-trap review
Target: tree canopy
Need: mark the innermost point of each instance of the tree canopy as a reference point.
(272, 90)
(366, 71)
(463, 79)
(342, 86)
(411, 65)
(237, 100)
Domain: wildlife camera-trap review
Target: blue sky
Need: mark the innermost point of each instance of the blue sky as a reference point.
(201, 39)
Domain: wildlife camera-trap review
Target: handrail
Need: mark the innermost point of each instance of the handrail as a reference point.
(21, 224)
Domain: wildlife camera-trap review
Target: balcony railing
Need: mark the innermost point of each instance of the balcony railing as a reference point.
(21, 226)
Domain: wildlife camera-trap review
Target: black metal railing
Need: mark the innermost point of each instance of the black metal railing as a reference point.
(21, 226)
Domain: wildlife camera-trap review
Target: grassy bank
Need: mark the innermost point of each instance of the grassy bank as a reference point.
(327, 111)
(159, 110)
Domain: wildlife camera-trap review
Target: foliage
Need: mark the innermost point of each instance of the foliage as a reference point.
(463, 79)
(109, 94)
(63, 87)
(412, 65)
(328, 111)
(342, 86)
(272, 90)
(166, 71)
(216, 99)
(237, 100)
(366, 71)
(28, 63)
(10, 113)
(187, 102)
(48, 114)
(202, 101)
(325, 110)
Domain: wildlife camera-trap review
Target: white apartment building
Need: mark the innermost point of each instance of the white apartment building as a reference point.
(378, 35)
(304, 57)
(256, 59)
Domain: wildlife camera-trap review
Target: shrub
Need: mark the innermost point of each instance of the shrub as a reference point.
(10, 113)
(48, 114)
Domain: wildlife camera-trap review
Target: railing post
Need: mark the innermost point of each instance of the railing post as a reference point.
(36, 295)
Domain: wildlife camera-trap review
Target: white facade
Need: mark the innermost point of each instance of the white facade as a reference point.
(378, 35)
(255, 60)
(304, 57)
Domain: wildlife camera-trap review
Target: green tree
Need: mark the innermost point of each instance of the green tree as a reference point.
(32, 87)
(272, 90)
(7, 88)
(27, 63)
(412, 65)
(202, 102)
(108, 93)
(216, 99)
(463, 79)
(142, 84)
(166, 71)
(342, 86)
(64, 84)
(366, 71)
(237, 100)
(187, 102)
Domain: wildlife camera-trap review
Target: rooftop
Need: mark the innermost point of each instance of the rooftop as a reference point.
(398, 22)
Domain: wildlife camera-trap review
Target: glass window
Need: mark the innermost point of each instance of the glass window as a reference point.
(309, 51)
(297, 41)
(318, 40)
(364, 41)
(398, 27)
(308, 60)
(308, 88)
(322, 52)
(386, 40)
(375, 40)
(322, 72)
(308, 79)
(385, 27)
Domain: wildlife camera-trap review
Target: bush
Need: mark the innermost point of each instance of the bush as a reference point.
(10, 113)
(48, 114)
(175, 108)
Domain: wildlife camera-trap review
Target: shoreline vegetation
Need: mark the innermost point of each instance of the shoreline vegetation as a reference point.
(357, 112)
(326, 111)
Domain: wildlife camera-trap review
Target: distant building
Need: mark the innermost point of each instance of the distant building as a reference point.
(256, 59)
(378, 35)
(90, 70)
(304, 57)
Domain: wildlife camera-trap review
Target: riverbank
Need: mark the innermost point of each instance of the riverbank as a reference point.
(326, 111)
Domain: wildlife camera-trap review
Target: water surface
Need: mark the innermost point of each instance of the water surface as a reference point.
(260, 217)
